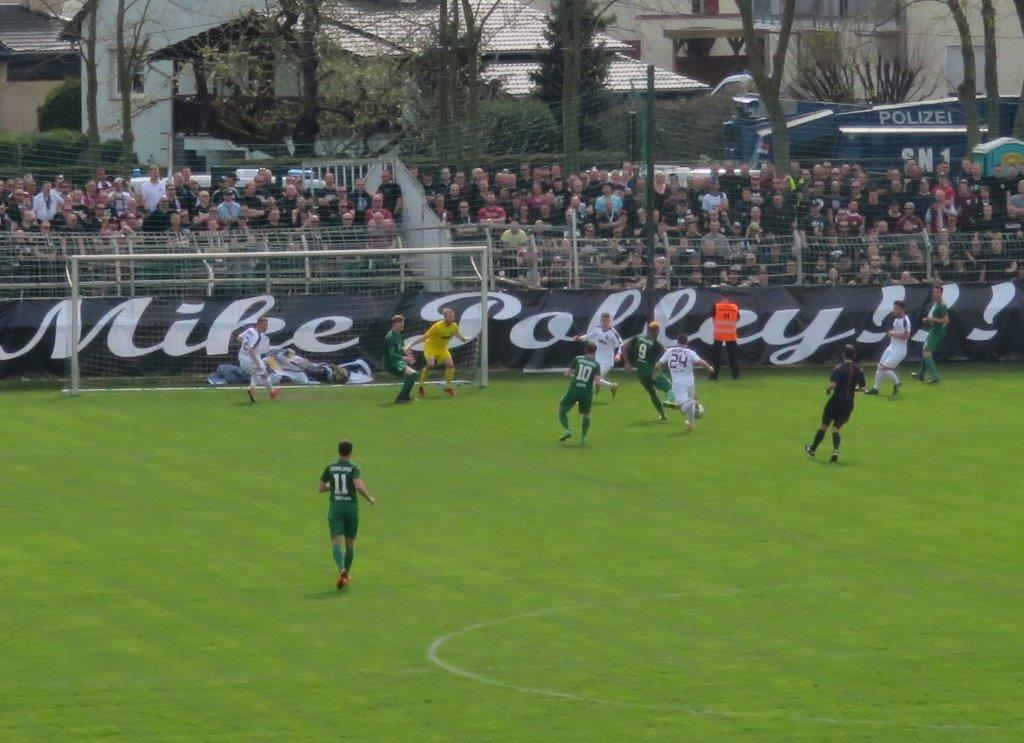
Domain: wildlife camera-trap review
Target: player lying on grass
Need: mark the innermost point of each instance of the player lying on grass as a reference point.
(435, 349)
(644, 351)
(584, 372)
(343, 480)
(846, 380)
(896, 351)
(398, 359)
(680, 361)
(250, 357)
(608, 342)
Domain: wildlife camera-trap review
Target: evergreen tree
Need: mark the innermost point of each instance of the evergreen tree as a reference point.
(573, 69)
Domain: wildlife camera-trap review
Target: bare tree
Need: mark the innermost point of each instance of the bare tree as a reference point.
(131, 46)
(769, 82)
(968, 89)
(988, 24)
(1018, 123)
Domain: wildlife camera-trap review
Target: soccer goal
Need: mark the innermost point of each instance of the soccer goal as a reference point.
(156, 319)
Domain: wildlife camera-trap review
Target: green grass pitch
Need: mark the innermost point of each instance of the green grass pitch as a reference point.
(166, 574)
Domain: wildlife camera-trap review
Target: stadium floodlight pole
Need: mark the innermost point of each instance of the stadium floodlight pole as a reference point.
(76, 326)
(650, 232)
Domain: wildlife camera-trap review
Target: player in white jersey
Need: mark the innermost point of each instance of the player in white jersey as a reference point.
(680, 361)
(896, 351)
(608, 343)
(250, 357)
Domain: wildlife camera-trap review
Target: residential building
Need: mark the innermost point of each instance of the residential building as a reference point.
(34, 60)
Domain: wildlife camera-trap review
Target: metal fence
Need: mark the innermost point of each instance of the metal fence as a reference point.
(539, 257)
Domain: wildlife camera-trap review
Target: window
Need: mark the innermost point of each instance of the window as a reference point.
(705, 7)
(138, 77)
(955, 68)
(25, 70)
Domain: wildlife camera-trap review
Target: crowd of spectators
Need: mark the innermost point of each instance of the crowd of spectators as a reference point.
(826, 224)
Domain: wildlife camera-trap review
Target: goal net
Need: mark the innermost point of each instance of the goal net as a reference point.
(166, 319)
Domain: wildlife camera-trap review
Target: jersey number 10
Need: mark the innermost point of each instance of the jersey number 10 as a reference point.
(583, 374)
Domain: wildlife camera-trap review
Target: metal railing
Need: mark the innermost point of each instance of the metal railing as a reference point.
(534, 257)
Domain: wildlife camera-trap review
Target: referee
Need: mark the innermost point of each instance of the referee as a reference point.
(725, 318)
(847, 379)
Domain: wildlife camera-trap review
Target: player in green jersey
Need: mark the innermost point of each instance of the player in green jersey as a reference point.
(343, 481)
(936, 320)
(398, 360)
(584, 372)
(644, 351)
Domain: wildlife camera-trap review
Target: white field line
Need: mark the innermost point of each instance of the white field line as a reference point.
(434, 656)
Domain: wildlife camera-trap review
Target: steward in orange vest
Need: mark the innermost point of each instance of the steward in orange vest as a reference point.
(725, 317)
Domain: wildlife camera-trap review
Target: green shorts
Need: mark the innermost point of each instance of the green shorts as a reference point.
(660, 382)
(343, 520)
(932, 342)
(572, 397)
(398, 368)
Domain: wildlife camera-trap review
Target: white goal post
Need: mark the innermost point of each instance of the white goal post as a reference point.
(130, 300)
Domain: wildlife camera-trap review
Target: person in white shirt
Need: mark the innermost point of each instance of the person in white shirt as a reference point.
(608, 343)
(897, 350)
(250, 357)
(46, 203)
(680, 361)
(153, 189)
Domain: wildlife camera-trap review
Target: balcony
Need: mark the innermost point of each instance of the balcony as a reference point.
(875, 15)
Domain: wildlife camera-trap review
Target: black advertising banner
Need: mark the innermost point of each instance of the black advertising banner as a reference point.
(527, 329)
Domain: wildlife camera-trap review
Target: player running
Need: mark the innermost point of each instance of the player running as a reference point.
(398, 360)
(250, 357)
(895, 352)
(847, 379)
(644, 350)
(937, 319)
(343, 480)
(680, 361)
(435, 349)
(608, 342)
(584, 372)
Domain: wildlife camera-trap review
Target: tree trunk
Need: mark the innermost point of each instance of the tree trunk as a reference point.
(125, 89)
(1018, 124)
(769, 83)
(988, 21)
(308, 125)
(968, 89)
(91, 91)
(206, 115)
(570, 84)
(443, 90)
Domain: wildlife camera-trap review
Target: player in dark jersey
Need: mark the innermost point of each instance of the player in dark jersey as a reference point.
(847, 379)
(343, 481)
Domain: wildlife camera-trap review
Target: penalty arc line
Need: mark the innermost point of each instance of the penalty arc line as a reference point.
(434, 656)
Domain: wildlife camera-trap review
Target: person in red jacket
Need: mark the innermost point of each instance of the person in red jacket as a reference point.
(726, 316)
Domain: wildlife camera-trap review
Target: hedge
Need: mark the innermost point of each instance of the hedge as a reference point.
(62, 108)
(49, 154)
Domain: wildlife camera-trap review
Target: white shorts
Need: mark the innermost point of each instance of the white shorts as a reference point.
(892, 357)
(683, 392)
(250, 367)
(606, 365)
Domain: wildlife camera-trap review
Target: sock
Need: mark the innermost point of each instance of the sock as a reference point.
(563, 418)
(267, 384)
(407, 385)
(423, 374)
(606, 383)
(932, 367)
(586, 427)
(350, 555)
(837, 439)
(656, 402)
(691, 410)
(819, 436)
(895, 379)
(449, 375)
(338, 559)
(924, 367)
(879, 376)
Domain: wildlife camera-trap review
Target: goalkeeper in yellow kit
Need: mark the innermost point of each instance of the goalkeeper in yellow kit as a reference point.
(435, 349)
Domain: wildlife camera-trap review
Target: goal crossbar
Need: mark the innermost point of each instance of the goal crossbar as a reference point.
(482, 272)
